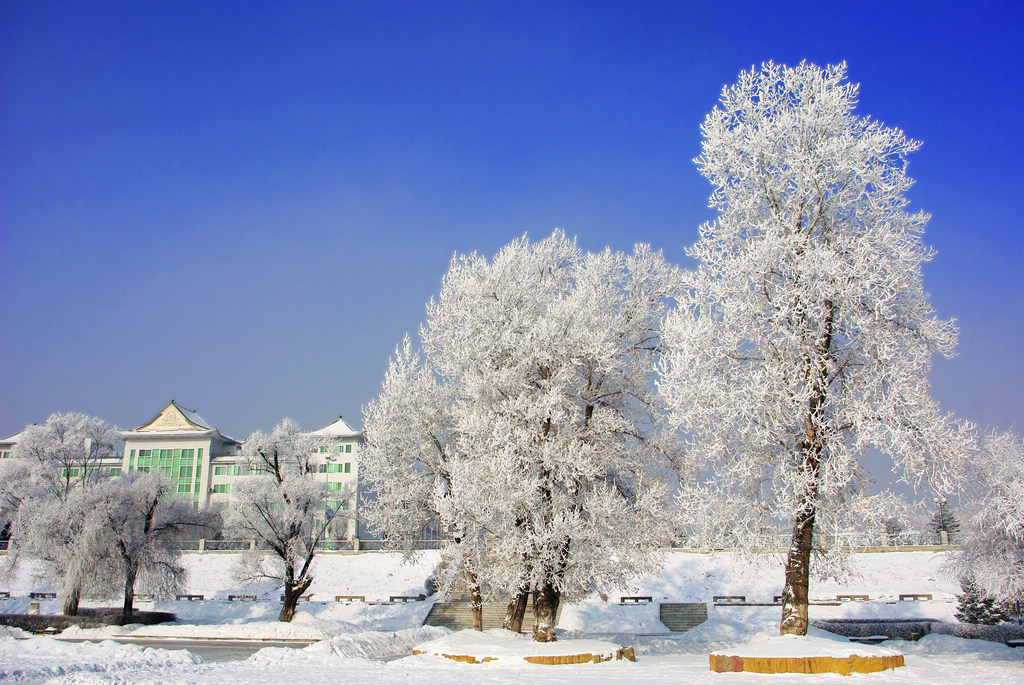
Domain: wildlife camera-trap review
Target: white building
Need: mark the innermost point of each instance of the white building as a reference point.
(204, 463)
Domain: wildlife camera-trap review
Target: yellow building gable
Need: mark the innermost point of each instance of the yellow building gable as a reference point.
(171, 419)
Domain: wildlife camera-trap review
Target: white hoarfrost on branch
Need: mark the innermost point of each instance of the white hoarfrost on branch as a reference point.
(142, 524)
(50, 501)
(804, 337)
(529, 428)
(285, 508)
(992, 537)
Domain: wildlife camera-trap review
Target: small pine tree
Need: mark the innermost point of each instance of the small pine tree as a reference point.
(974, 606)
(944, 520)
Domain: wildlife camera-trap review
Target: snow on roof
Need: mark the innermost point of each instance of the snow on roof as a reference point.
(14, 438)
(338, 429)
(192, 416)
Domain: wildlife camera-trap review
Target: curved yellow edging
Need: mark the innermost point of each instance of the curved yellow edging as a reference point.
(624, 653)
(807, 664)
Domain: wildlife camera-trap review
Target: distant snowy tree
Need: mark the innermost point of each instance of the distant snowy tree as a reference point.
(993, 535)
(141, 525)
(804, 337)
(895, 531)
(973, 605)
(285, 508)
(538, 433)
(944, 521)
(53, 518)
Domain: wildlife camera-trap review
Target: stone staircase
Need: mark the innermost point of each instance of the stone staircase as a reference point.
(459, 615)
(681, 617)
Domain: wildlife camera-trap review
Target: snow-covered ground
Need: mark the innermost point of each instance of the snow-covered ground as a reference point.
(356, 638)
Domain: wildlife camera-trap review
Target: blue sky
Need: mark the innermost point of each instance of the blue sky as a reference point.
(244, 205)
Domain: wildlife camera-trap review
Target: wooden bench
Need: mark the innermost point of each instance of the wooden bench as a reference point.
(302, 598)
(5, 595)
(869, 639)
(916, 598)
(777, 599)
(190, 598)
(730, 599)
(635, 600)
(42, 595)
(143, 597)
(851, 598)
(349, 598)
(407, 598)
(241, 598)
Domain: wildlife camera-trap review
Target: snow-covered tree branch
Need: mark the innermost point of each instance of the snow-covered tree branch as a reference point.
(50, 501)
(804, 337)
(285, 508)
(531, 428)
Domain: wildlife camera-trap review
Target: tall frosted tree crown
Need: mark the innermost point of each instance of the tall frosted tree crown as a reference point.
(805, 337)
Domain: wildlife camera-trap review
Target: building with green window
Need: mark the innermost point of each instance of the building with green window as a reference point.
(180, 445)
(204, 464)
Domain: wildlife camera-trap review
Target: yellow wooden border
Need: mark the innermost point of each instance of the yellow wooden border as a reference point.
(722, 663)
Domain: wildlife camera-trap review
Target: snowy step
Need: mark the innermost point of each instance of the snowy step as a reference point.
(459, 615)
(681, 617)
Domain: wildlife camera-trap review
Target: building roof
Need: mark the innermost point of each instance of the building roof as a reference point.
(13, 439)
(338, 429)
(174, 421)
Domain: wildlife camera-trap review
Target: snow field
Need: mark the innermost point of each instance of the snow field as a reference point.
(356, 637)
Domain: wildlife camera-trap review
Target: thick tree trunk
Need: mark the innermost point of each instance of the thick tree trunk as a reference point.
(70, 600)
(476, 600)
(798, 560)
(545, 611)
(292, 592)
(477, 605)
(798, 572)
(129, 594)
(517, 609)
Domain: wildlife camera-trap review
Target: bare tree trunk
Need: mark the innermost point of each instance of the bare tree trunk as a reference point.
(292, 592)
(131, 571)
(517, 609)
(545, 611)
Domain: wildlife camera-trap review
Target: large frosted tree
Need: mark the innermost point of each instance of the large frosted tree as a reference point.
(804, 337)
(285, 508)
(537, 434)
(140, 524)
(49, 498)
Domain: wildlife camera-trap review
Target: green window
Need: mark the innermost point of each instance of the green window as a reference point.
(348, 468)
(334, 487)
(222, 487)
(184, 487)
(348, 448)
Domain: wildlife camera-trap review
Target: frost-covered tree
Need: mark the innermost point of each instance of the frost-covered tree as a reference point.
(410, 444)
(993, 536)
(285, 508)
(974, 605)
(804, 337)
(54, 519)
(537, 377)
(944, 521)
(141, 525)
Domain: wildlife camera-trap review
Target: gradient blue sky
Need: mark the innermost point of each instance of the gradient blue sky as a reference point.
(244, 205)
